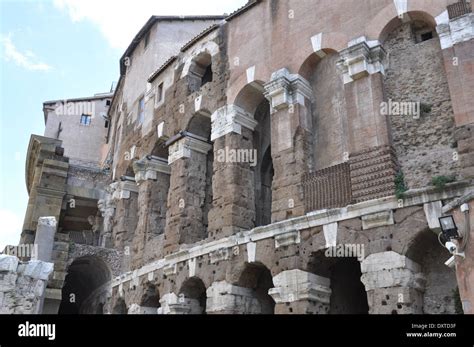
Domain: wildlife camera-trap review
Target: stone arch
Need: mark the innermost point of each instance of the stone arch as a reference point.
(307, 67)
(199, 67)
(250, 97)
(207, 50)
(390, 17)
(441, 291)
(87, 285)
(328, 108)
(258, 278)
(343, 269)
(193, 294)
(415, 65)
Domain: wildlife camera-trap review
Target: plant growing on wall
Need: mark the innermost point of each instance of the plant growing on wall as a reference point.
(400, 185)
(440, 181)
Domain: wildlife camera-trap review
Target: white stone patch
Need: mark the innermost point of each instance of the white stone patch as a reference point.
(8, 263)
(291, 238)
(151, 276)
(183, 148)
(192, 267)
(250, 74)
(433, 210)
(170, 269)
(251, 252)
(376, 220)
(330, 234)
(442, 18)
(197, 103)
(401, 6)
(38, 269)
(316, 42)
(160, 129)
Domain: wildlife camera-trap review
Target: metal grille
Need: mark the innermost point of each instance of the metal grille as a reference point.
(458, 9)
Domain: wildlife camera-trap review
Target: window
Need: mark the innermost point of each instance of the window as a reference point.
(159, 93)
(106, 125)
(426, 36)
(86, 119)
(147, 40)
(141, 110)
(107, 102)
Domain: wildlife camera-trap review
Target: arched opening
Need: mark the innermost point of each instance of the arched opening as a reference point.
(85, 286)
(441, 295)
(200, 72)
(264, 169)
(328, 110)
(193, 291)
(418, 101)
(348, 294)
(259, 279)
(120, 307)
(150, 301)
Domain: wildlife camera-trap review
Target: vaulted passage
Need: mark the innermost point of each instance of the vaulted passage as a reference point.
(258, 278)
(85, 286)
(264, 169)
(348, 293)
(193, 295)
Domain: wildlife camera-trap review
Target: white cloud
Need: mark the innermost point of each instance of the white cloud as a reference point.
(11, 228)
(26, 60)
(119, 21)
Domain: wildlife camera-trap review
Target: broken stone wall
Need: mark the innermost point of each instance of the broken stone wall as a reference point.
(22, 285)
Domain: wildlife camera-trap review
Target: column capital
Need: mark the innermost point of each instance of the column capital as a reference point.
(361, 60)
(285, 89)
(296, 285)
(148, 168)
(183, 147)
(230, 118)
(390, 269)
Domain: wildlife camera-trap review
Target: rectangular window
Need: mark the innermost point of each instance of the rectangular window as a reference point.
(86, 119)
(107, 103)
(141, 110)
(159, 93)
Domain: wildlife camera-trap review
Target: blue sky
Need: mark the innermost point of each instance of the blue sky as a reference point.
(61, 49)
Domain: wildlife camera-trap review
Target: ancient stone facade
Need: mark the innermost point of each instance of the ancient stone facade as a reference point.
(292, 157)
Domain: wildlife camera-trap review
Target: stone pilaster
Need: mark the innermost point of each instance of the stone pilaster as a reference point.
(290, 97)
(153, 178)
(124, 196)
(300, 292)
(186, 221)
(233, 187)
(394, 284)
(456, 37)
(46, 176)
(372, 160)
(225, 298)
